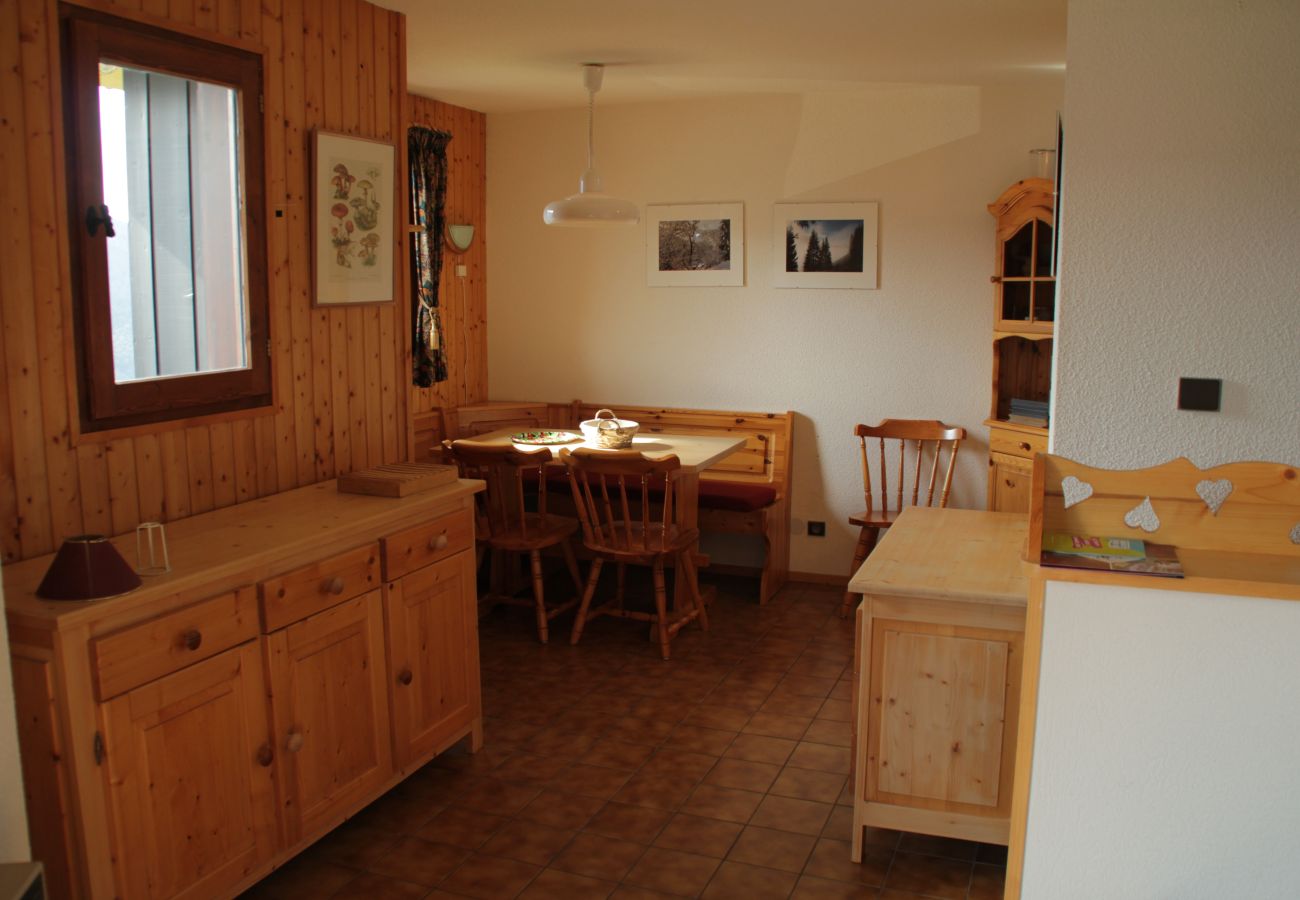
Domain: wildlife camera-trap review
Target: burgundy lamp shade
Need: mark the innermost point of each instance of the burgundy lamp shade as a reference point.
(87, 567)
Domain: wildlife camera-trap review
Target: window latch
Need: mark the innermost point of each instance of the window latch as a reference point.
(96, 216)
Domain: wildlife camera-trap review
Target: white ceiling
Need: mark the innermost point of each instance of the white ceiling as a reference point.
(510, 55)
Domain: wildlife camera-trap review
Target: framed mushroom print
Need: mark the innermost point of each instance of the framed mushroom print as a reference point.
(353, 219)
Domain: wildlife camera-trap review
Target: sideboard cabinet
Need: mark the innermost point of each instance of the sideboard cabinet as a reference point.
(306, 652)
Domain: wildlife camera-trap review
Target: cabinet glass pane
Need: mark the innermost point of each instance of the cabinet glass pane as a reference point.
(1043, 251)
(1044, 301)
(1017, 252)
(1015, 300)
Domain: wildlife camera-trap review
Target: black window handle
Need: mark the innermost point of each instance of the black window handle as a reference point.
(96, 216)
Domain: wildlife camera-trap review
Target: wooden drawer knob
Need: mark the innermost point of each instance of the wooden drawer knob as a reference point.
(405, 676)
(192, 639)
(294, 742)
(265, 755)
(438, 542)
(1024, 445)
(333, 586)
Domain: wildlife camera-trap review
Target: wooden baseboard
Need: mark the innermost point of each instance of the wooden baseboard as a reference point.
(820, 578)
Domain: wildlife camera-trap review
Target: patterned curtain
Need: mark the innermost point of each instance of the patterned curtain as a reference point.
(428, 163)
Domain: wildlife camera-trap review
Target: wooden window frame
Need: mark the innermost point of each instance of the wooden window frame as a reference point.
(87, 37)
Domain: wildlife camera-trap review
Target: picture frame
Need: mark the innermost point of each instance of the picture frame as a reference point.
(353, 219)
(695, 245)
(846, 261)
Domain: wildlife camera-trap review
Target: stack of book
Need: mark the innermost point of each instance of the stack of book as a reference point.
(1028, 412)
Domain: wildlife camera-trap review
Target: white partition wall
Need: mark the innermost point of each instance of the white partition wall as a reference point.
(1165, 758)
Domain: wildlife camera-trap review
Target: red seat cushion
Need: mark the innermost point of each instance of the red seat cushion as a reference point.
(735, 496)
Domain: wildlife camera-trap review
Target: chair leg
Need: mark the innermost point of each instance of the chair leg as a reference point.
(686, 566)
(571, 562)
(661, 605)
(866, 543)
(539, 596)
(622, 582)
(581, 618)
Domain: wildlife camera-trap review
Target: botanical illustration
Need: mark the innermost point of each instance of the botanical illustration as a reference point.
(355, 209)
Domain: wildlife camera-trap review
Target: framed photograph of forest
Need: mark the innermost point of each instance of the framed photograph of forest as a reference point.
(825, 245)
(699, 244)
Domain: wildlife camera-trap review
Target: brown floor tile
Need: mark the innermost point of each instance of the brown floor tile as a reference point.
(810, 887)
(760, 748)
(461, 828)
(933, 845)
(933, 876)
(631, 823)
(749, 699)
(808, 784)
(301, 877)
(735, 880)
(556, 741)
(376, 887)
(993, 854)
(419, 861)
(743, 775)
(640, 731)
(498, 798)
(833, 859)
(724, 718)
(987, 882)
(696, 739)
(552, 884)
(793, 706)
(597, 856)
(775, 849)
(561, 810)
(673, 872)
(616, 754)
(530, 769)
(696, 834)
(824, 731)
(836, 711)
(354, 845)
(529, 842)
(632, 892)
(656, 791)
(680, 764)
(728, 804)
(791, 814)
(490, 878)
(821, 757)
(776, 725)
(592, 781)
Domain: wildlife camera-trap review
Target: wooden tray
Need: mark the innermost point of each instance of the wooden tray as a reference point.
(397, 479)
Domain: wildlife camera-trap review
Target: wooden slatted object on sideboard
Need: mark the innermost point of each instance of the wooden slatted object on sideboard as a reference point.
(307, 651)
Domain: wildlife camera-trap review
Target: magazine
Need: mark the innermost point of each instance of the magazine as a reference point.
(1110, 554)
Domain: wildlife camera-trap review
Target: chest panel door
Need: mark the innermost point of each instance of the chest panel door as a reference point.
(330, 713)
(433, 653)
(189, 778)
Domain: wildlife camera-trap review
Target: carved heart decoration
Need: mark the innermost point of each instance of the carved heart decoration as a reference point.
(1143, 516)
(1214, 493)
(1295, 534)
(1073, 490)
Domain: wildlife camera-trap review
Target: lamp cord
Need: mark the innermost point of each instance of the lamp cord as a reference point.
(591, 128)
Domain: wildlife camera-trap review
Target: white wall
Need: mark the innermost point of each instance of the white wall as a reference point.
(570, 314)
(13, 813)
(1180, 232)
(1164, 749)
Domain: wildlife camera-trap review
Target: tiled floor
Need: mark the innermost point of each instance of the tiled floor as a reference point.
(607, 772)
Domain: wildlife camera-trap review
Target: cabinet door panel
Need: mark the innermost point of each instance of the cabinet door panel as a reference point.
(330, 712)
(433, 655)
(189, 784)
(1010, 483)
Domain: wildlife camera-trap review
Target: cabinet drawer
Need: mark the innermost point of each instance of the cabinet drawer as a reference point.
(408, 550)
(149, 650)
(297, 594)
(1016, 443)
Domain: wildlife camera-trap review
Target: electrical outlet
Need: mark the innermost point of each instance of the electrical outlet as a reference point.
(816, 529)
(1204, 394)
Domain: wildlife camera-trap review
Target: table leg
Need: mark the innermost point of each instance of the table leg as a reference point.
(688, 517)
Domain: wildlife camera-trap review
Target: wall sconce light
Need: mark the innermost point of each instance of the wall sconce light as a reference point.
(458, 237)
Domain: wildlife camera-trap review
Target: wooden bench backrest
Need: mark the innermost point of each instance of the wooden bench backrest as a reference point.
(764, 459)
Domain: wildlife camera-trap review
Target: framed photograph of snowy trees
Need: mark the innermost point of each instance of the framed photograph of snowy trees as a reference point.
(825, 245)
(697, 245)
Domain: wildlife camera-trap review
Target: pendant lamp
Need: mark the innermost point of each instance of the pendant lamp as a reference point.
(590, 206)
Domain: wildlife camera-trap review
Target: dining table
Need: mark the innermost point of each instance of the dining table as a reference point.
(695, 452)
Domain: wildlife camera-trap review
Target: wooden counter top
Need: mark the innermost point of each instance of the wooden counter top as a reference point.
(957, 554)
(229, 547)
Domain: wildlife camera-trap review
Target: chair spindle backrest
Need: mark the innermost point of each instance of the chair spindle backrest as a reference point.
(510, 475)
(927, 436)
(615, 492)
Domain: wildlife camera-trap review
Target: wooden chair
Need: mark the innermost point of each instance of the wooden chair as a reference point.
(929, 439)
(505, 523)
(625, 519)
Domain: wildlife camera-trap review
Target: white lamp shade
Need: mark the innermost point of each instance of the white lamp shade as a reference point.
(590, 208)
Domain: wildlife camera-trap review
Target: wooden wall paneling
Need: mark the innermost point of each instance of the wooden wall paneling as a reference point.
(336, 317)
(148, 459)
(123, 492)
(39, 43)
(11, 542)
(198, 455)
(181, 11)
(205, 14)
(175, 474)
(349, 115)
(92, 469)
(399, 99)
(222, 436)
(391, 382)
(21, 357)
(228, 17)
(157, 8)
(245, 449)
(367, 110)
(250, 20)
